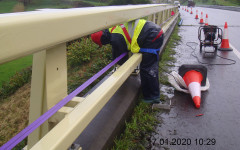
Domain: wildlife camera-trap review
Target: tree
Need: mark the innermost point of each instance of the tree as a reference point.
(25, 2)
(125, 2)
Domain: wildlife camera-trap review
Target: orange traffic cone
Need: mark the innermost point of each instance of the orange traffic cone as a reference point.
(196, 17)
(194, 76)
(172, 13)
(187, 10)
(201, 19)
(225, 41)
(206, 20)
(191, 11)
(193, 81)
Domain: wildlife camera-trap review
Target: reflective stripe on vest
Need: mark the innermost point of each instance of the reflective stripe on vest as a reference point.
(126, 33)
(158, 36)
(131, 40)
(118, 29)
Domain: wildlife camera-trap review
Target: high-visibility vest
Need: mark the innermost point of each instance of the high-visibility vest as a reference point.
(130, 32)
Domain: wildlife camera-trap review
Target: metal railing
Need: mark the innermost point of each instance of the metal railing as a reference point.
(44, 34)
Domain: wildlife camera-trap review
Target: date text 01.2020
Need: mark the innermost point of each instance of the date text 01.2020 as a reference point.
(187, 141)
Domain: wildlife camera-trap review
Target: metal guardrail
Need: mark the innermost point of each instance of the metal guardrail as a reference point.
(232, 8)
(44, 34)
(26, 33)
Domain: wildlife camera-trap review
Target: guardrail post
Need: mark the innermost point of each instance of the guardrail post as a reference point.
(48, 86)
(168, 14)
(159, 17)
(150, 17)
(162, 17)
(154, 18)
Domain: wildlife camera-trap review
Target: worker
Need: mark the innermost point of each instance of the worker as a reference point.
(139, 36)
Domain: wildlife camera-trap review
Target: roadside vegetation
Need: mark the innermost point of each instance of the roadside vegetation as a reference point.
(9, 69)
(218, 2)
(6, 6)
(213, 2)
(84, 60)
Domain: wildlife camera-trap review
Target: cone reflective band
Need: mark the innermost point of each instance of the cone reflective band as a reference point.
(194, 76)
(201, 19)
(193, 81)
(196, 17)
(225, 41)
(206, 21)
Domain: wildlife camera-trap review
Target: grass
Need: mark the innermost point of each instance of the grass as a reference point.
(218, 2)
(14, 114)
(96, 3)
(143, 121)
(40, 4)
(167, 57)
(138, 130)
(6, 6)
(9, 69)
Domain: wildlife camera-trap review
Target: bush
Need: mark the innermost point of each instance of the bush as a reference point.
(125, 2)
(17, 81)
(99, 59)
(80, 52)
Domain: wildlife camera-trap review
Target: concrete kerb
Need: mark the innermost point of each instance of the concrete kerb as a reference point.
(110, 121)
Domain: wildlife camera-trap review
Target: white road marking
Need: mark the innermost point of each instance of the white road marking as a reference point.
(235, 51)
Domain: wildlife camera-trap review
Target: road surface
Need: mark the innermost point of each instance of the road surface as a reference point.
(219, 126)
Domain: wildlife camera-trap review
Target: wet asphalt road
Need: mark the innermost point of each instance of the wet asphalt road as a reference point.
(219, 126)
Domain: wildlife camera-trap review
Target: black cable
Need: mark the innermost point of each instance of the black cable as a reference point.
(204, 63)
(195, 56)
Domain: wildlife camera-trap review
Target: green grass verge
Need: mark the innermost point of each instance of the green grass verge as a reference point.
(6, 6)
(40, 4)
(167, 58)
(138, 130)
(218, 2)
(9, 69)
(96, 3)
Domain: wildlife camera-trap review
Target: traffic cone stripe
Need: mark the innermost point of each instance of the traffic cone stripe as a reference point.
(193, 81)
(201, 20)
(206, 21)
(196, 17)
(194, 89)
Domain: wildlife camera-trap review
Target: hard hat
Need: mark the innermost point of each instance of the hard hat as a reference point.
(96, 38)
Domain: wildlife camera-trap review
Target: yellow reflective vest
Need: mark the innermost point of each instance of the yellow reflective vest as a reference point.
(133, 29)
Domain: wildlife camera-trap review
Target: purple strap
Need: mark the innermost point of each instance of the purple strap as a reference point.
(29, 129)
